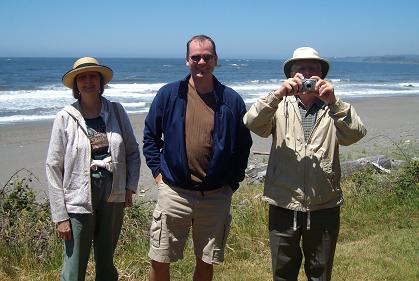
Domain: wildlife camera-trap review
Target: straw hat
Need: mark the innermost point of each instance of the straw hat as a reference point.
(306, 53)
(83, 65)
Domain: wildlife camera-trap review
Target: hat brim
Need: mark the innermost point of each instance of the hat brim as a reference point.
(106, 72)
(324, 64)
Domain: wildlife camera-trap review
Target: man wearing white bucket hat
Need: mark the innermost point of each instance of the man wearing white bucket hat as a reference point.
(92, 168)
(307, 123)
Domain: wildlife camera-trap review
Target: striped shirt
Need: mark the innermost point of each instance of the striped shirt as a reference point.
(309, 116)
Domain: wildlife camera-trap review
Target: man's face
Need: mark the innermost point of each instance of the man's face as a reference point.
(308, 68)
(201, 60)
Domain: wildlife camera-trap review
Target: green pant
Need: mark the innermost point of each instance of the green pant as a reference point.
(318, 232)
(102, 228)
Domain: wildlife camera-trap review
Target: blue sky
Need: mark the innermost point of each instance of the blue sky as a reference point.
(241, 29)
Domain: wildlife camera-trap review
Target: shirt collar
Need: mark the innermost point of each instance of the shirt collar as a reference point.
(313, 110)
(317, 105)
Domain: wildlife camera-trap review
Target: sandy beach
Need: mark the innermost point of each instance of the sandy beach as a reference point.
(388, 119)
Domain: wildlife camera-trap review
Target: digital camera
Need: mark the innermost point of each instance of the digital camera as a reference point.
(308, 85)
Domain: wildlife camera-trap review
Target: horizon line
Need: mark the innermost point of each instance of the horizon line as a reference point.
(226, 58)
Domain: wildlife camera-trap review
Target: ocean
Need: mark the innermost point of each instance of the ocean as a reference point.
(31, 88)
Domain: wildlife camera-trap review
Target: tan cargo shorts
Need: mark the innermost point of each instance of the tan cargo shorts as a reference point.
(177, 211)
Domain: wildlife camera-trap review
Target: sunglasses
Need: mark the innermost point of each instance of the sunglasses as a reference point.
(197, 58)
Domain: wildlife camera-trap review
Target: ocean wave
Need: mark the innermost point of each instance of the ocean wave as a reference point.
(375, 92)
(416, 85)
(145, 110)
(263, 87)
(134, 104)
(29, 110)
(136, 87)
(39, 104)
(33, 94)
(238, 65)
(24, 118)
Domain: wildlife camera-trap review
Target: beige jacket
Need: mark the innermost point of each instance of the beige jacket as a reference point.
(303, 175)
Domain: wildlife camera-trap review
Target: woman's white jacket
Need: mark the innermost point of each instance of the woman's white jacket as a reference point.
(69, 157)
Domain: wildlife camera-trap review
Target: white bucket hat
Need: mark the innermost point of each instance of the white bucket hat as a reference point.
(306, 53)
(83, 65)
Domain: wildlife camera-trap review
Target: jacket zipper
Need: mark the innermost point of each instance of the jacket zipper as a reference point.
(89, 152)
(305, 154)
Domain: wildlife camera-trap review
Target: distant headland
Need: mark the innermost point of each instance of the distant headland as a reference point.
(380, 59)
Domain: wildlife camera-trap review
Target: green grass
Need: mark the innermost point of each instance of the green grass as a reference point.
(379, 237)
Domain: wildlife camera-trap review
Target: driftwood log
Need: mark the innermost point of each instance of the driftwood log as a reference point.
(382, 163)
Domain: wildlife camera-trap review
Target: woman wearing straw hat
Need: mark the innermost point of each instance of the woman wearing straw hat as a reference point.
(92, 168)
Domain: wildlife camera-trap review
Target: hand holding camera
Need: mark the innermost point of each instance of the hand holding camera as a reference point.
(324, 90)
(297, 85)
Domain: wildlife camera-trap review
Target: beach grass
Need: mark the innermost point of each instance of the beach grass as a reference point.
(378, 237)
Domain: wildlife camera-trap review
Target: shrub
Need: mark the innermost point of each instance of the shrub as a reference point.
(406, 184)
(25, 224)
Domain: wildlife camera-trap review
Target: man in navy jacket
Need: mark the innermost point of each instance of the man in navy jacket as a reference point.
(196, 146)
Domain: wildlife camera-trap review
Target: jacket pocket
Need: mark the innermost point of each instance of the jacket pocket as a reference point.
(156, 229)
(221, 241)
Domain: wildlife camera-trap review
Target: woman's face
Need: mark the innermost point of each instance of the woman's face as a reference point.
(88, 83)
